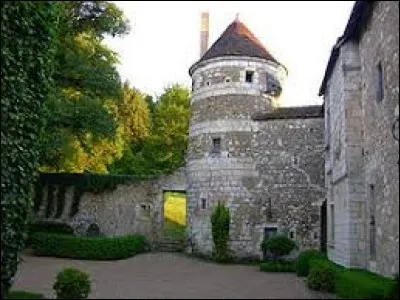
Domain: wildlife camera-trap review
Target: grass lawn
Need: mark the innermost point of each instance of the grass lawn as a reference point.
(174, 214)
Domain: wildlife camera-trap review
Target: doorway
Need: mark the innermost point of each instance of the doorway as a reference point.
(174, 214)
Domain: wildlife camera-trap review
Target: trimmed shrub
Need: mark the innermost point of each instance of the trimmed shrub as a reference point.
(220, 220)
(90, 248)
(47, 227)
(303, 261)
(72, 284)
(278, 246)
(24, 295)
(322, 276)
(50, 227)
(277, 266)
(361, 284)
(394, 291)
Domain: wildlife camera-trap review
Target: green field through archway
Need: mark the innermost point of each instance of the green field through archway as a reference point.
(174, 214)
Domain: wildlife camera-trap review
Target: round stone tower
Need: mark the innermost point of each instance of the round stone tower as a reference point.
(233, 80)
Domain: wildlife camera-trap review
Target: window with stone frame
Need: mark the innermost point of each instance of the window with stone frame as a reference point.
(216, 145)
(270, 231)
(332, 229)
(203, 203)
(372, 224)
(249, 76)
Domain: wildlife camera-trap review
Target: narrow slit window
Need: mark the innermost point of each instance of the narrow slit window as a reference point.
(216, 144)
(332, 223)
(249, 76)
(203, 203)
(380, 91)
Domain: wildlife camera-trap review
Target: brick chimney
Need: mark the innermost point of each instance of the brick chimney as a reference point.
(204, 33)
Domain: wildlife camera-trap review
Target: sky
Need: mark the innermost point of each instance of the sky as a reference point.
(164, 40)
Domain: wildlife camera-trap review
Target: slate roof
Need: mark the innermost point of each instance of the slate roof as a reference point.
(237, 40)
(295, 112)
(359, 15)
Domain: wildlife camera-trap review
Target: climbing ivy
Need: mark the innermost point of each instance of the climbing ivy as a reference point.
(28, 31)
(220, 220)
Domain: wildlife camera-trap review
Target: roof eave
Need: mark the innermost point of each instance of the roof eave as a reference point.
(358, 16)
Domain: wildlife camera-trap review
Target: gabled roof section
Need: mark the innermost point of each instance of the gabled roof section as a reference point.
(237, 40)
(359, 15)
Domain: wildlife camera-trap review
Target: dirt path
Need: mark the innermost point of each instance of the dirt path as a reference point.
(164, 276)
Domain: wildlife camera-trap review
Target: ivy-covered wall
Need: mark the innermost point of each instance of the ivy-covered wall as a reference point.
(28, 30)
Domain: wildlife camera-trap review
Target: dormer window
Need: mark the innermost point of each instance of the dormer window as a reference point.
(249, 76)
(227, 79)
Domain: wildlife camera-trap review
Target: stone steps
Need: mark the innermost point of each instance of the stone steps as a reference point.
(170, 245)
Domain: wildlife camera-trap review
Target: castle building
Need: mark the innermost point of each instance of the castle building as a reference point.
(263, 161)
(361, 107)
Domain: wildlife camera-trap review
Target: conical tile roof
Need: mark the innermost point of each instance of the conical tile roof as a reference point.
(237, 40)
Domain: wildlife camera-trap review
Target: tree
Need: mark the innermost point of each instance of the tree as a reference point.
(81, 129)
(28, 34)
(164, 149)
(220, 220)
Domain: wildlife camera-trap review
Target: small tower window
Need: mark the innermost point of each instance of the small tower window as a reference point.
(249, 76)
(228, 79)
(208, 82)
(216, 145)
(380, 92)
(203, 203)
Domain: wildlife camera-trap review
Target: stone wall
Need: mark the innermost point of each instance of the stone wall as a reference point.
(289, 160)
(361, 157)
(380, 43)
(132, 208)
(269, 173)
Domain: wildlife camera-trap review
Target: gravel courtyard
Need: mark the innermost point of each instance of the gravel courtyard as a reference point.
(164, 276)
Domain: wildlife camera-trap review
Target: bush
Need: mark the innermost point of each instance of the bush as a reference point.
(361, 284)
(277, 266)
(24, 295)
(394, 290)
(322, 276)
(50, 227)
(28, 44)
(278, 246)
(72, 284)
(47, 227)
(91, 248)
(220, 220)
(303, 261)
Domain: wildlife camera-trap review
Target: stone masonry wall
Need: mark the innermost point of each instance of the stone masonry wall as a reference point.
(254, 173)
(289, 159)
(361, 157)
(380, 43)
(134, 208)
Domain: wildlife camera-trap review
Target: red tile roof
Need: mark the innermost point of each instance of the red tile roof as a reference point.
(237, 40)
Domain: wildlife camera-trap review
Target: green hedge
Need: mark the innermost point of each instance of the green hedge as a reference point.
(47, 227)
(102, 248)
(303, 261)
(351, 283)
(322, 275)
(360, 284)
(24, 295)
(277, 266)
(50, 227)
